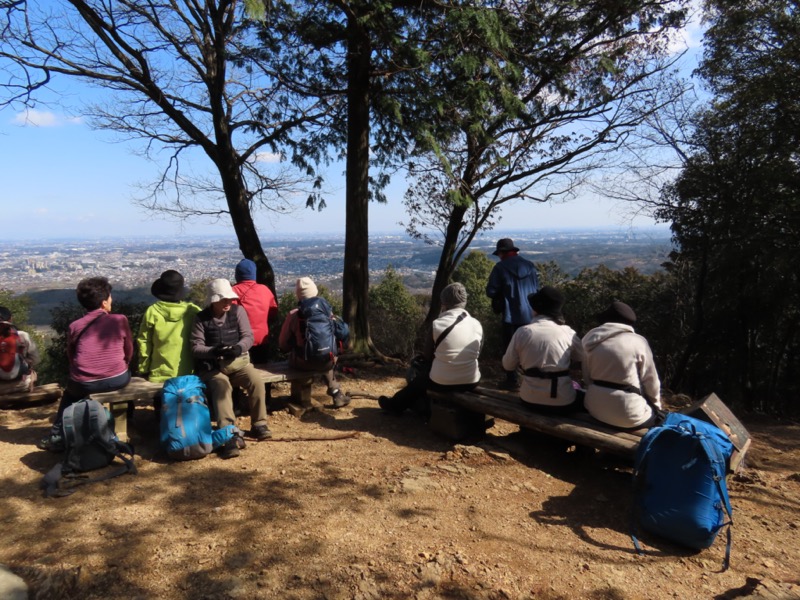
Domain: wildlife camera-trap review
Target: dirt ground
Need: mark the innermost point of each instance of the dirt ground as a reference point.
(394, 511)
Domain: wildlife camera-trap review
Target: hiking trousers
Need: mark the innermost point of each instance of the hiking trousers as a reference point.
(220, 390)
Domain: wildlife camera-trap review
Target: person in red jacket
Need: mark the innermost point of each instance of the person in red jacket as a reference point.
(259, 303)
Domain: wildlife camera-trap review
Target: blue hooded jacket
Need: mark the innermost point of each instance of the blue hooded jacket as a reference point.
(512, 280)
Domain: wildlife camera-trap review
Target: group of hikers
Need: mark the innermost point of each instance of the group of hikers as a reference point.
(218, 343)
(610, 373)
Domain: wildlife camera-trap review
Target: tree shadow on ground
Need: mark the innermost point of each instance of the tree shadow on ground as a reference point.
(602, 496)
(233, 526)
(27, 434)
(408, 429)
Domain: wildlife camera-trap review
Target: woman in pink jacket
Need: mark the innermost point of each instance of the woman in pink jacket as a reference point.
(99, 349)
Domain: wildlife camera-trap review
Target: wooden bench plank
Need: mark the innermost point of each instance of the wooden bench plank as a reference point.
(41, 394)
(506, 405)
(142, 391)
(301, 382)
(583, 429)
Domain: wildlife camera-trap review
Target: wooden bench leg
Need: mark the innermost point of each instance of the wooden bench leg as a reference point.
(301, 392)
(119, 410)
(301, 396)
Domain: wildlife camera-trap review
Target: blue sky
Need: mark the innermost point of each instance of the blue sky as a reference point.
(63, 179)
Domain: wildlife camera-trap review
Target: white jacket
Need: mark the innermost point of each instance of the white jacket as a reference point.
(548, 346)
(614, 353)
(455, 361)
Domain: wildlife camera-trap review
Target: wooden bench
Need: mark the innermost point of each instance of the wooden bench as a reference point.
(583, 429)
(12, 397)
(141, 391)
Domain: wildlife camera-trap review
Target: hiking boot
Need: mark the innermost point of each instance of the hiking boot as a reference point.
(260, 432)
(340, 399)
(51, 443)
(240, 443)
(230, 449)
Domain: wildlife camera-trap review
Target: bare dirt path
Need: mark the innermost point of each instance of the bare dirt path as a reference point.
(392, 511)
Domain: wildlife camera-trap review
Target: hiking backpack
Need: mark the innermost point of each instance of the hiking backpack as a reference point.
(89, 443)
(12, 365)
(186, 420)
(317, 329)
(679, 483)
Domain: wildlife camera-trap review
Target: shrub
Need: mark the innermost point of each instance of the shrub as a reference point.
(395, 316)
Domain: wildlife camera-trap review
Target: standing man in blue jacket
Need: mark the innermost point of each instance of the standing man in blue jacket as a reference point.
(511, 281)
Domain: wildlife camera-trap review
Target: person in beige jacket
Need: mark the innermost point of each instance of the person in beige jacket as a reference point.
(547, 350)
(623, 389)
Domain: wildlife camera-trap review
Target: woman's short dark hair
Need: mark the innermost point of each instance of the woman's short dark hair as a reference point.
(93, 291)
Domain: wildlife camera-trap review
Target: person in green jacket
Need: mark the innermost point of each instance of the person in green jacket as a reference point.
(163, 338)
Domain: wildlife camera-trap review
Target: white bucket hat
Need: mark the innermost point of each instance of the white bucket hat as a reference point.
(219, 289)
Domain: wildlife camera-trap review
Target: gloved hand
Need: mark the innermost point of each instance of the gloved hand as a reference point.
(232, 351)
(218, 350)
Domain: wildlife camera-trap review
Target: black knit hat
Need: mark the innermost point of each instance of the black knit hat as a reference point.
(618, 312)
(5, 314)
(505, 245)
(168, 287)
(547, 301)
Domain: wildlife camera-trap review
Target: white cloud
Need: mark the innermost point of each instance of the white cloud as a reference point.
(36, 118)
(691, 36)
(41, 211)
(267, 157)
(41, 118)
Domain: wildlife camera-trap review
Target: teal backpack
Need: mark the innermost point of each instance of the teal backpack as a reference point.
(90, 443)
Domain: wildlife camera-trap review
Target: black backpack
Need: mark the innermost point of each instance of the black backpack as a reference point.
(317, 329)
(89, 443)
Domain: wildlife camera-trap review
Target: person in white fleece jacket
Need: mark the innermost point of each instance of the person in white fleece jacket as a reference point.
(623, 389)
(452, 347)
(547, 350)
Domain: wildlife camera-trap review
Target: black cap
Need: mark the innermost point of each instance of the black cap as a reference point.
(547, 301)
(505, 245)
(5, 314)
(618, 312)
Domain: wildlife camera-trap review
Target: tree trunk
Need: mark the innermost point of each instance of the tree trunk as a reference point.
(245, 227)
(356, 243)
(227, 159)
(446, 261)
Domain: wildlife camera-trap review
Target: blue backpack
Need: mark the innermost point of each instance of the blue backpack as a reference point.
(679, 483)
(318, 330)
(186, 421)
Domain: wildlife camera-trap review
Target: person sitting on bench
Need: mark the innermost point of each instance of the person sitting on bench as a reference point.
(220, 340)
(546, 349)
(449, 358)
(163, 338)
(99, 349)
(623, 388)
(293, 338)
(18, 356)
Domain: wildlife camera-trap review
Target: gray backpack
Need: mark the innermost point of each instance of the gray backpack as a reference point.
(90, 443)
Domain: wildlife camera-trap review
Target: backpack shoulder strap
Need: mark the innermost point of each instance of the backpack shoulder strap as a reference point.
(719, 466)
(445, 333)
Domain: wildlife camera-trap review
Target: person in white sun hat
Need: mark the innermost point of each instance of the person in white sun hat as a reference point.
(221, 337)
